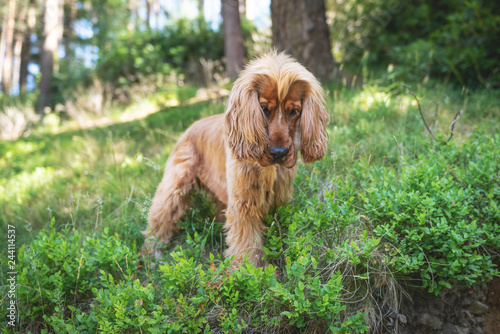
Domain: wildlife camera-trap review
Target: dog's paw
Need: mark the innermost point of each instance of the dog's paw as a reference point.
(153, 248)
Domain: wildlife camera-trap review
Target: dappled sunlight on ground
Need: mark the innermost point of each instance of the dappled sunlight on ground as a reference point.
(19, 187)
(71, 174)
(136, 111)
(367, 98)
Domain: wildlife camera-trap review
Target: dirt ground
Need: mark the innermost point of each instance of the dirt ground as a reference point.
(492, 318)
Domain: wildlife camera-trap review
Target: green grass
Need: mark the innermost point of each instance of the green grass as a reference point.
(90, 178)
(102, 179)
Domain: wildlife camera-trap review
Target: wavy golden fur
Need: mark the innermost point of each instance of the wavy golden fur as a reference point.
(246, 157)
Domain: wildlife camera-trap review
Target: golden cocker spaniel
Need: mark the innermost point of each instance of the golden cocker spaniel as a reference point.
(247, 156)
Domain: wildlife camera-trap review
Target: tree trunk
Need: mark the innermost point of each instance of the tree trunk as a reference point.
(18, 44)
(16, 65)
(9, 40)
(50, 42)
(299, 27)
(233, 37)
(26, 51)
(157, 11)
(3, 41)
(201, 8)
(148, 14)
(69, 29)
(132, 11)
(59, 31)
(152, 10)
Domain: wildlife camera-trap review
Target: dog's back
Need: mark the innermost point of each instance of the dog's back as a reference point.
(208, 142)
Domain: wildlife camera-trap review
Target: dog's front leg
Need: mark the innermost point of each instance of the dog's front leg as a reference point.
(248, 203)
(244, 234)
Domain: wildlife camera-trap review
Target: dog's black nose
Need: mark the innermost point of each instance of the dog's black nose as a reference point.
(278, 153)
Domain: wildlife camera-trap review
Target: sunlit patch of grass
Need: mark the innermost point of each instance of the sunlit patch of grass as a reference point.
(18, 188)
(369, 98)
(64, 175)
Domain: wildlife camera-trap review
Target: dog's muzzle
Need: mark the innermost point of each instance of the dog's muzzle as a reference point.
(278, 153)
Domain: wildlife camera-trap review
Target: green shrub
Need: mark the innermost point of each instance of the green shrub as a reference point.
(437, 217)
(307, 299)
(452, 39)
(124, 306)
(442, 218)
(128, 307)
(194, 291)
(61, 268)
(219, 296)
(149, 52)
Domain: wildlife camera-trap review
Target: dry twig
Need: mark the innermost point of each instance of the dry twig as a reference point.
(420, 111)
(77, 277)
(279, 230)
(452, 125)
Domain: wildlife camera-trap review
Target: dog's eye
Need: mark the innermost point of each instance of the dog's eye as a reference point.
(265, 110)
(294, 112)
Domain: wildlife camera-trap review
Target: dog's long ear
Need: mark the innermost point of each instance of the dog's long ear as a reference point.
(244, 120)
(313, 123)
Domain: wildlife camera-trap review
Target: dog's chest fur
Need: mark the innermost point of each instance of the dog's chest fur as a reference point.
(265, 182)
(252, 185)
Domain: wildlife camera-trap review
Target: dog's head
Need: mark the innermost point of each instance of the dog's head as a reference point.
(276, 108)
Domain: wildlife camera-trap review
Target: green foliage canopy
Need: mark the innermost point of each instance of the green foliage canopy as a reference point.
(447, 39)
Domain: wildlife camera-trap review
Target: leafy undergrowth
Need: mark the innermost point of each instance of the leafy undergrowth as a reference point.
(387, 210)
